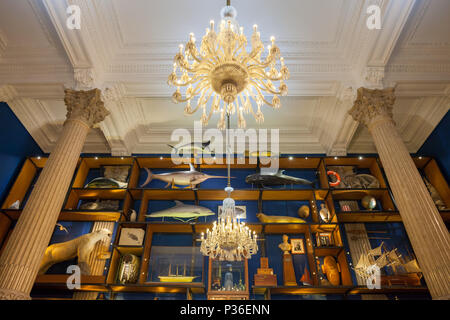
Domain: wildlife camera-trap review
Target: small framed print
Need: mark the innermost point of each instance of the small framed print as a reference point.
(297, 246)
(241, 212)
(323, 239)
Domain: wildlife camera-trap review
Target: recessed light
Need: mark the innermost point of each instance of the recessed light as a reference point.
(290, 158)
(96, 158)
(420, 158)
(335, 158)
(360, 157)
(306, 158)
(121, 158)
(39, 157)
(160, 158)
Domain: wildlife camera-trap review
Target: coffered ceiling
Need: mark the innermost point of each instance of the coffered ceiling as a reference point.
(126, 47)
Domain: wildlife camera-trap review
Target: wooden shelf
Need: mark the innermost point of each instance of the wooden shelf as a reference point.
(385, 216)
(159, 287)
(327, 251)
(74, 215)
(59, 282)
(303, 290)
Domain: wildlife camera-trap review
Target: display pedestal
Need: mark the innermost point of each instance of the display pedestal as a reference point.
(288, 271)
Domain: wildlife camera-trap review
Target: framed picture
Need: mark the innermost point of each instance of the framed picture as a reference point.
(297, 246)
(323, 239)
(241, 211)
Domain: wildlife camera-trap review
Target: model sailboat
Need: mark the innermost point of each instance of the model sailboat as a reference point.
(407, 273)
(176, 277)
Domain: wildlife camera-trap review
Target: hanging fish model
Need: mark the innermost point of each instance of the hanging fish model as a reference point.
(275, 179)
(185, 178)
(192, 147)
(181, 210)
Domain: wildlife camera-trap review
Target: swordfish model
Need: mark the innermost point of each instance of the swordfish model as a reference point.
(184, 178)
(181, 210)
(275, 179)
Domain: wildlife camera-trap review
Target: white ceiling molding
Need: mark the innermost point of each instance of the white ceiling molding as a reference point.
(128, 55)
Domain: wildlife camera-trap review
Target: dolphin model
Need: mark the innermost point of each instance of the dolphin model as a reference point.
(185, 178)
(275, 179)
(181, 210)
(193, 146)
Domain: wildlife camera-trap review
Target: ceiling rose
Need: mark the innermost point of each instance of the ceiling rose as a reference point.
(224, 73)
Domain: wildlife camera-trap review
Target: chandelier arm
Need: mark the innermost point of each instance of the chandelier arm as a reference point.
(260, 93)
(196, 91)
(257, 72)
(194, 79)
(267, 88)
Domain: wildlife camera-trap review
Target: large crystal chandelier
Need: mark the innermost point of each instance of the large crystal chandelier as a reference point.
(225, 73)
(230, 239)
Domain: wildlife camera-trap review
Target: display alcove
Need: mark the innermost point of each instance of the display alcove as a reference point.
(283, 201)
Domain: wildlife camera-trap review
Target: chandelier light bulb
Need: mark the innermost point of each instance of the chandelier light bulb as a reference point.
(226, 68)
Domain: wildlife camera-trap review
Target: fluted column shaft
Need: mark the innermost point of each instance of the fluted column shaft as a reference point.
(25, 248)
(426, 230)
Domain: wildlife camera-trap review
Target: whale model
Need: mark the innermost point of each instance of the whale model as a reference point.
(182, 211)
(275, 179)
(185, 178)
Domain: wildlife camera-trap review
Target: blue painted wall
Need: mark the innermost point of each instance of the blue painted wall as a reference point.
(438, 145)
(15, 145)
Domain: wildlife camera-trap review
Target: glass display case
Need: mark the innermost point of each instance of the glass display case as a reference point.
(228, 280)
(172, 264)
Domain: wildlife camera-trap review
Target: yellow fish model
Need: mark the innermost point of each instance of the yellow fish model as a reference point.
(278, 219)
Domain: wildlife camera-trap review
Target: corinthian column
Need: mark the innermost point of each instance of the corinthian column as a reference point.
(22, 255)
(426, 230)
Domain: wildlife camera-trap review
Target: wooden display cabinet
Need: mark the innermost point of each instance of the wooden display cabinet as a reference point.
(135, 197)
(223, 283)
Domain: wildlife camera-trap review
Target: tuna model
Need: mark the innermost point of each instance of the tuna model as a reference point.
(182, 211)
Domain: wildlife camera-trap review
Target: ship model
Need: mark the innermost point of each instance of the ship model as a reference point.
(405, 273)
(176, 277)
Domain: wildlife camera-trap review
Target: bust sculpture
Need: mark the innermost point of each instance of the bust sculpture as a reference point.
(285, 246)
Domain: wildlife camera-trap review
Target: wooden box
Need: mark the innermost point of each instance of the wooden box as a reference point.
(264, 271)
(262, 280)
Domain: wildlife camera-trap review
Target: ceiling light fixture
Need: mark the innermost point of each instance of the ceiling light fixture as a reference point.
(224, 72)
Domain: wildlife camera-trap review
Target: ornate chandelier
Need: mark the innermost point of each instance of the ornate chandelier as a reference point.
(224, 72)
(230, 239)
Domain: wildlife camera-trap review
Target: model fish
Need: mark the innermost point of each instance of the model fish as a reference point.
(181, 210)
(192, 147)
(278, 219)
(185, 178)
(275, 179)
(103, 182)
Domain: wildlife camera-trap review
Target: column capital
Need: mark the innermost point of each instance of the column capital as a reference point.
(6, 294)
(372, 105)
(85, 106)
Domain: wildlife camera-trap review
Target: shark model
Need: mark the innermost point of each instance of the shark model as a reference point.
(185, 178)
(275, 179)
(193, 147)
(182, 211)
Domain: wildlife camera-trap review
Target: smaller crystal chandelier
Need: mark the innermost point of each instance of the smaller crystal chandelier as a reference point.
(224, 72)
(230, 239)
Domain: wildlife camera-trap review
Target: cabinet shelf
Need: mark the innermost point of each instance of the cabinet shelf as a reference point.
(304, 290)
